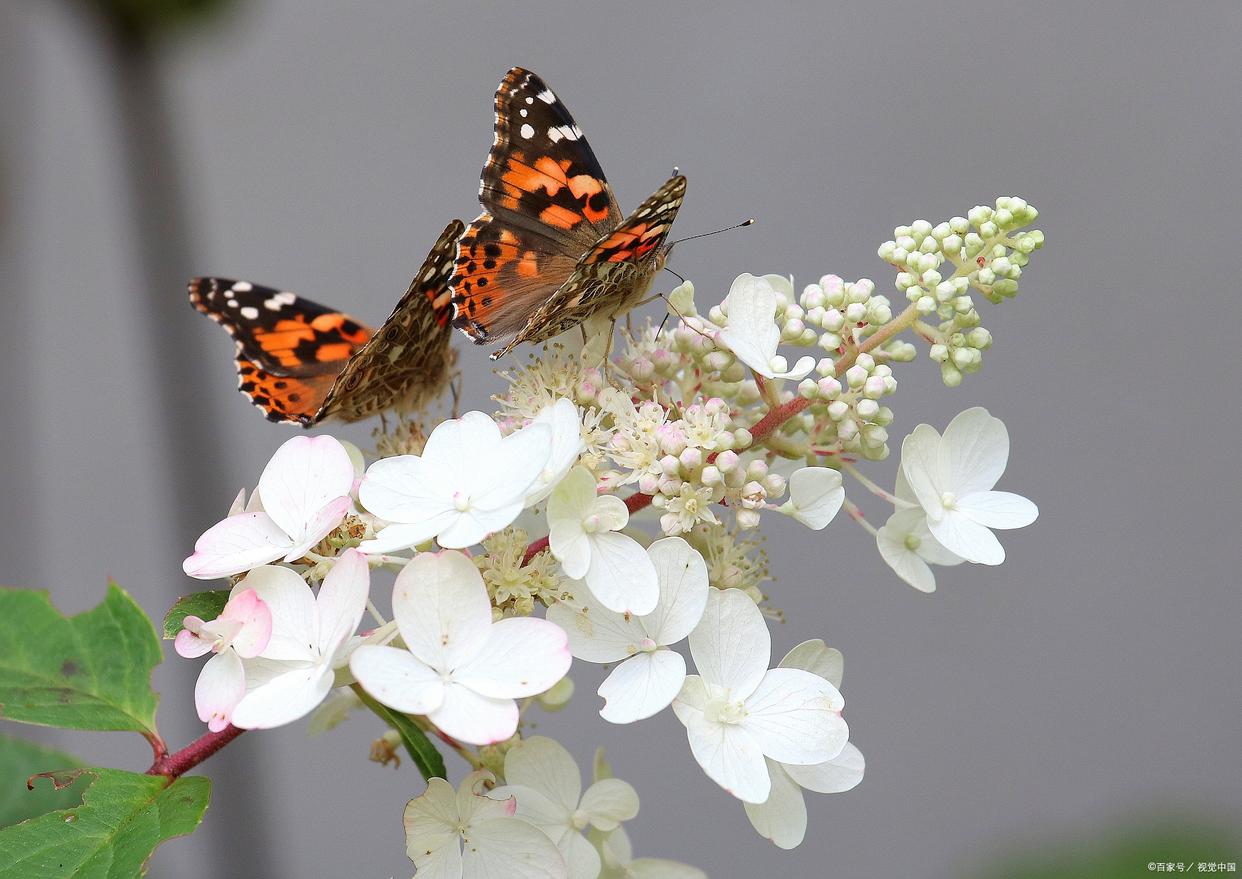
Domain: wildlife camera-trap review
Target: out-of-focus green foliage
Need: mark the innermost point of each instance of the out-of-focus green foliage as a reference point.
(152, 17)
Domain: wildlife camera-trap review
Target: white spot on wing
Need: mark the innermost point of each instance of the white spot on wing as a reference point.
(243, 286)
(232, 303)
(546, 96)
(524, 112)
(250, 312)
(527, 131)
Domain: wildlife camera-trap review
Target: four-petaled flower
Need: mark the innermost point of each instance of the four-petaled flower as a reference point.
(468, 482)
(304, 492)
(242, 630)
(952, 477)
(649, 675)
(584, 536)
(737, 712)
(750, 329)
(459, 668)
(815, 496)
(544, 779)
(907, 545)
(463, 834)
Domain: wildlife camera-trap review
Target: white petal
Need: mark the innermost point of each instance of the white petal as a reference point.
(621, 574)
(521, 657)
(509, 848)
(220, 686)
(998, 509)
(731, 645)
(597, 634)
(474, 801)
(468, 528)
(394, 538)
(406, 489)
(818, 658)
(608, 802)
(534, 806)
(295, 621)
(921, 465)
(342, 600)
(659, 868)
(431, 830)
(581, 858)
(303, 477)
(472, 437)
(442, 608)
(750, 330)
(843, 772)
(682, 576)
(643, 685)
(284, 699)
(905, 562)
(478, 720)
(730, 756)
(397, 679)
(545, 765)
(506, 476)
(794, 717)
(319, 526)
(237, 544)
(782, 817)
(815, 496)
(610, 511)
(973, 452)
(565, 421)
(965, 537)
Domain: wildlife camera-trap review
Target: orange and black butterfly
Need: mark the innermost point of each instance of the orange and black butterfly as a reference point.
(303, 363)
(551, 247)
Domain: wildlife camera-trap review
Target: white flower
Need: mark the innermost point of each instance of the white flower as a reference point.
(459, 668)
(691, 505)
(310, 637)
(782, 817)
(815, 496)
(241, 631)
(468, 482)
(952, 477)
(750, 330)
(906, 544)
(304, 491)
(651, 674)
(544, 779)
(464, 835)
(564, 420)
(737, 712)
(583, 534)
(620, 863)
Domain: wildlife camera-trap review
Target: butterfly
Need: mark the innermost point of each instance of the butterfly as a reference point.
(303, 363)
(551, 247)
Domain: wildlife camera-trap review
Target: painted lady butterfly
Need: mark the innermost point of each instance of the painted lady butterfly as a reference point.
(303, 363)
(551, 248)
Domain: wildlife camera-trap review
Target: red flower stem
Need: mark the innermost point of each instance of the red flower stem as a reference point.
(176, 765)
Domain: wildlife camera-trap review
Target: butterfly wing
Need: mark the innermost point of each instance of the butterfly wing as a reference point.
(545, 200)
(407, 360)
(289, 349)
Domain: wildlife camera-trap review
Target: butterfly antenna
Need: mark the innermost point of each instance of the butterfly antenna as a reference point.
(717, 232)
(674, 274)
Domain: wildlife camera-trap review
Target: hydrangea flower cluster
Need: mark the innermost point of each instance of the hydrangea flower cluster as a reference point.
(608, 513)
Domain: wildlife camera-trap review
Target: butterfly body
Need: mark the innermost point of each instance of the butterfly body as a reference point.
(551, 247)
(304, 363)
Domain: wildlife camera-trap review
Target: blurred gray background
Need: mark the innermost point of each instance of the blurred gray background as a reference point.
(321, 147)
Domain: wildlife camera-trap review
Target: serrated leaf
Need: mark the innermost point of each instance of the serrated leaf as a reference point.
(122, 818)
(90, 671)
(425, 755)
(204, 605)
(20, 759)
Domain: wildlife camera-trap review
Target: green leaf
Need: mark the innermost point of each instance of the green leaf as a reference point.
(20, 759)
(121, 820)
(91, 671)
(204, 605)
(424, 754)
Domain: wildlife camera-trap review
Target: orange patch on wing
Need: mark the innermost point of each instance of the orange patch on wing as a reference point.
(334, 351)
(284, 398)
(559, 217)
(528, 266)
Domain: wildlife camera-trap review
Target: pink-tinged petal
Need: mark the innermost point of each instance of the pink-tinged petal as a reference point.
(397, 679)
(469, 717)
(622, 575)
(794, 716)
(998, 509)
(965, 537)
(319, 526)
(407, 490)
(442, 609)
(285, 698)
(818, 658)
(682, 575)
(782, 817)
(342, 601)
(608, 802)
(509, 848)
(304, 476)
(532, 805)
(236, 544)
(291, 603)
(522, 656)
(256, 622)
(189, 645)
(731, 645)
(394, 538)
(597, 634)
(642, 686)
(544, 765)
(973, 452)
(221, 685)
(730, 756)
(476, 802)
(843, 772)
(920, 463)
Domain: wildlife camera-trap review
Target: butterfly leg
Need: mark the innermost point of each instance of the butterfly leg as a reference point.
(455, 388)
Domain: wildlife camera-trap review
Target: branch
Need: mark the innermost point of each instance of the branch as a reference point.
(175, 765)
